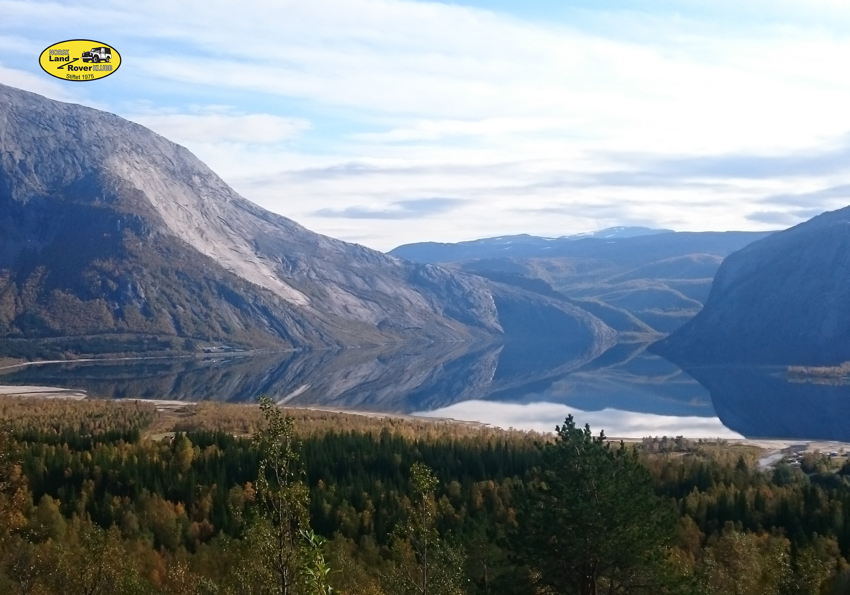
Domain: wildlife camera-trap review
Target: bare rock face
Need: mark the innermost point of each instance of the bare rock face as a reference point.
(109, 230)
(782, 300)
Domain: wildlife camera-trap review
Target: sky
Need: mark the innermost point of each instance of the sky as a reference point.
(386, 122)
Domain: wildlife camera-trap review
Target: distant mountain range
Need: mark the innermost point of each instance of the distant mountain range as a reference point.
(515, 245)
(114, 239)
(639, 281)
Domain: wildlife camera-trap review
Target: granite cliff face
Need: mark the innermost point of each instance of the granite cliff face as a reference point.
(782, 300)
(109, 232)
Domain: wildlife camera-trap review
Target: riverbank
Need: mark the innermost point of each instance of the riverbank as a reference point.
(773, 450)
(43, 392)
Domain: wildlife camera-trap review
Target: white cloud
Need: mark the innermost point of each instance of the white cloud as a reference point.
(431, 130)
(12, 45)
(516, 118)
(203, 128)
(34, 83)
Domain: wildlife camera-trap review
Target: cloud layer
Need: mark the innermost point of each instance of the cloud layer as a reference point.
(402, 209)
(223, 127)
(359, 118)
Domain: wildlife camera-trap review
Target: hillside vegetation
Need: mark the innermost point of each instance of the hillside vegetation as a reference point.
(125, 497)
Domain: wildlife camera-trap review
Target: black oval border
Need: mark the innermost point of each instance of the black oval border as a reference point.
(114, 49)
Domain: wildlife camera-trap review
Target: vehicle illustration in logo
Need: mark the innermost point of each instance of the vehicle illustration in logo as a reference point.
(101, 54)
(80, 60)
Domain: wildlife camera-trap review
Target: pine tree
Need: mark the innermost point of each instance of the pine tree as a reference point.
(591, 522)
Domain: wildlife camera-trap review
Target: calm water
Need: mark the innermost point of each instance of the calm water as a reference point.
(627, 391)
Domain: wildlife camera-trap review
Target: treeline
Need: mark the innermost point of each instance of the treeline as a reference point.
(839, 371)
(99, 497)
(52, 347)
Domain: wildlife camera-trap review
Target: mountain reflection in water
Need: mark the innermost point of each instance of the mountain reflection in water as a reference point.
(625, 391)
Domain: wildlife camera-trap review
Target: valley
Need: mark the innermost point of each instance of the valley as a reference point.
(639, 281)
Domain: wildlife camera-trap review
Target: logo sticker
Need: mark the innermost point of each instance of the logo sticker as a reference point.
(80, 60)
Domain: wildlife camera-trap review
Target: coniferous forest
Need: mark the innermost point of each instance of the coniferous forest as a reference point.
(103, 497)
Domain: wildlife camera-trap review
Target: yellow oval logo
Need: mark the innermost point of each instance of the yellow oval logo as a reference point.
(80, 60)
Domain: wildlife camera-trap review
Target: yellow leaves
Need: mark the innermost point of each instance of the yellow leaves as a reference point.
(184, 454)
(746, 564)
(46, 521)
(14, 495)
(55, 416)
(200, 531)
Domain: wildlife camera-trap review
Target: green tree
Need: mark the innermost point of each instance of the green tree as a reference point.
(744, 564)
(425, 563)
(46, 521)
(14, 495)
(289, 560)
(316, 571)
(184, 454)
(94, 562)
(591, 522)
(812, 567)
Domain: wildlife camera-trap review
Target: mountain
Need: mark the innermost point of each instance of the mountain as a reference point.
(515, 245)
(622, 244)
(113, 238)
(638, 281)
(782, 300)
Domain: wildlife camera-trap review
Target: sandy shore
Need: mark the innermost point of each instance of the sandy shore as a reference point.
(43, 392)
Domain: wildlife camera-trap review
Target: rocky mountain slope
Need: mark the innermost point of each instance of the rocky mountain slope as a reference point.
(639, 281)
(112, 233)
(782, 300)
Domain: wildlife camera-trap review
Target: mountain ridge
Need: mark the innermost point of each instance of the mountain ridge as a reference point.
(107, 227)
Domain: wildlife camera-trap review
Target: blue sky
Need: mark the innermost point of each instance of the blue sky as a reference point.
(388, 121)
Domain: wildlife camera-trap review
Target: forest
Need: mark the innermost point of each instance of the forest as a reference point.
(103, 497)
